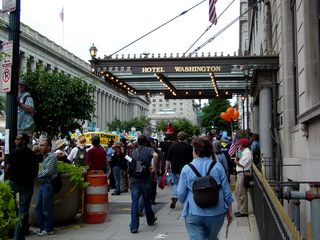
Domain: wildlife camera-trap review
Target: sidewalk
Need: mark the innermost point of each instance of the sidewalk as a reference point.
(168, 226)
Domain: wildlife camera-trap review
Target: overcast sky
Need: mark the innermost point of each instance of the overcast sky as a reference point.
(112, 24)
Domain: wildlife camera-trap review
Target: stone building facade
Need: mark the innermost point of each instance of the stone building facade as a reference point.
(110, 104)
(289, 28)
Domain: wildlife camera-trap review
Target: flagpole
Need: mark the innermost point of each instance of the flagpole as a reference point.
(62, 19)
(62, 33)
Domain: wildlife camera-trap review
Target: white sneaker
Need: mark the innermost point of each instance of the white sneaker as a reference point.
(36, 230)
(45, 233)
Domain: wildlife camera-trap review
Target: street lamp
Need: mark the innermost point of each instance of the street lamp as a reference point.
(243, 118)
(246, 71)
(93, 51)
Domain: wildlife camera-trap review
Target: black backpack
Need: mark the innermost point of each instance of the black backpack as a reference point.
(205, 189)
(139, 167)
(81, 156)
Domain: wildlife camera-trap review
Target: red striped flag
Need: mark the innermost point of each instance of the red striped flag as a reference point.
(62, 14)
(212, 11)
(233, 147)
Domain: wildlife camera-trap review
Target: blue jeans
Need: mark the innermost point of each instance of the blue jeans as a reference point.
(25, 195)
(175, 178)
(204, 228)
(117, 178)
(44, 207)
(139, 189)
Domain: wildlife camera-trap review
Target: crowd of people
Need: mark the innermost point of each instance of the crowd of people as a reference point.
(137, 166)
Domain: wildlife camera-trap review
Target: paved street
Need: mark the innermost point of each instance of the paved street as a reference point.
(168, 227)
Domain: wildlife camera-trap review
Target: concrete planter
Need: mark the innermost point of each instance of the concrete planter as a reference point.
(66, 203)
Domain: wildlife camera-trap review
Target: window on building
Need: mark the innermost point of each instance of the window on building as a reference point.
(154, 100)
(160, 100)
(154, 105)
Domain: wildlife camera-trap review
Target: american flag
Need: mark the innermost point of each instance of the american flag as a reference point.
(212, 11)
(62, 14)
(233, 147)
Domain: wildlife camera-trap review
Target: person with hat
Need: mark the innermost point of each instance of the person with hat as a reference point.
(25, 121)
(243, 164)
(59, 151)
(118, 162)
(78, 154)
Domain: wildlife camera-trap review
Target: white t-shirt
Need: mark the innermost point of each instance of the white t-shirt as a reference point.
(245, 160)
(74, 152)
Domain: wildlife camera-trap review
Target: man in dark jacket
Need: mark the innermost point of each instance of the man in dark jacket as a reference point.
(21, 170)
(143, 164)
(179, 154)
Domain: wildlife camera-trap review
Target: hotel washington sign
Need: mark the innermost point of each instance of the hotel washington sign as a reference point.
(182, 69)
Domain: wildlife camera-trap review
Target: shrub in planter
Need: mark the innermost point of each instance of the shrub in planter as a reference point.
(8, 218)
(67, 201)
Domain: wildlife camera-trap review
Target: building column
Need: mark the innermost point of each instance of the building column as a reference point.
(265, 131)
(112, 115)
(255, 119)
(96, 107)
(24, 62)
(106, 107)
(33, 64)
(103, 110)
(121, 110)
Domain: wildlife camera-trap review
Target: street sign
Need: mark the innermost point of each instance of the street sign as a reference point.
(7, 48)
(8, 5)
(6, 66)
(6, 78)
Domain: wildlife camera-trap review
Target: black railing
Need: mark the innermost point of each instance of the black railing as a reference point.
(272, 220)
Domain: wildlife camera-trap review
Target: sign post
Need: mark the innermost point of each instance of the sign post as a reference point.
(6, 66)
(10, 74)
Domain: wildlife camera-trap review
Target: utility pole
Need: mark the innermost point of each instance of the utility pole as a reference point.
(11, 103)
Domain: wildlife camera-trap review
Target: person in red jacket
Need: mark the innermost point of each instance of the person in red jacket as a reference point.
(96, 157)
(169, 129)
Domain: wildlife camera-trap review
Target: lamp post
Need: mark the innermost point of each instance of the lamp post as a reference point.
(246, 71)
(93, 51)
(243, 119)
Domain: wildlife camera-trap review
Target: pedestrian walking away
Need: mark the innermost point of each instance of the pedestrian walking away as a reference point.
(179, 154)
(140, 172)
(203, 223)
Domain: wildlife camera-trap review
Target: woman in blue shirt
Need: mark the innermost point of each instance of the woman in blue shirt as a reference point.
(204, 223)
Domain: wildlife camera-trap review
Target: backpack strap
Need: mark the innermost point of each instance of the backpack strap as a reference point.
(194, 170)
(211, 166)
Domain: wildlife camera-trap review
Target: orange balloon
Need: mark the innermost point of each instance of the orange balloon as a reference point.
(230, 110)
(235, 115)
(228, 117)
(223, 115)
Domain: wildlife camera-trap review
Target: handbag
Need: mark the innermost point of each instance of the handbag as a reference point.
(56, 184)
(162, 182)
(248, 177)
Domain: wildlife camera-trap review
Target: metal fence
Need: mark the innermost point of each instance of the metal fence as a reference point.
(272, 219)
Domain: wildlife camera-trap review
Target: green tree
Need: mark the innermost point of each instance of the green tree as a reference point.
(211, 115)
(62, 102)
(139, 123)
(2, 105)
(180, 125)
